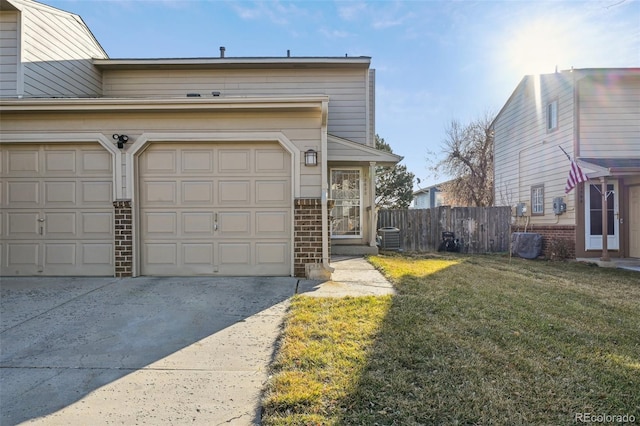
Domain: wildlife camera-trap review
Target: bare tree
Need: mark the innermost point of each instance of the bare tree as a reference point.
(469, 160)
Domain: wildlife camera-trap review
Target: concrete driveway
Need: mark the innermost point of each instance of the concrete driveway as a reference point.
(140, 350)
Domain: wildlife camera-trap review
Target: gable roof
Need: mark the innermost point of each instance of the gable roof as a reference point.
(343, 150)
(609, 166)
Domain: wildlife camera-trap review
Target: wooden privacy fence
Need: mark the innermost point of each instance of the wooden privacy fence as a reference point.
(479, 229)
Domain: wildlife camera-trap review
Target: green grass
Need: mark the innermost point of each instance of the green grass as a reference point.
(467, 340)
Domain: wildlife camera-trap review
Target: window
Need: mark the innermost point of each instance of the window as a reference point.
(346, 193)
(537, 200)
(552, 115)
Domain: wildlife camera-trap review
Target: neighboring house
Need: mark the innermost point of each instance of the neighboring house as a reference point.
(593, 115)
(426, 198)
(194, 166)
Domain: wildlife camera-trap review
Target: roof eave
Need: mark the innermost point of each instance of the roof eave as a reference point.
(149, 104)
(233, 63)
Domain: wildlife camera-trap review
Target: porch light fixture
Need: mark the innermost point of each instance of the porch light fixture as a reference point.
(310, 158)
(122, 139)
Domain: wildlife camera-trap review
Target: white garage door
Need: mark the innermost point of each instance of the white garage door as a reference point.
(57, 210)
(215, 209)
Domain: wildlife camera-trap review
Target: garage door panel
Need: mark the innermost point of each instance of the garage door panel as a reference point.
(161, 253)
(61, 224)
(60, 193)
(96, 193)
(159, 162)
(234, 254)
(235, 224)
(160, 193)
(60, 254)
(98, 254)
(234, 161)
(198, 254)
(271, 253)
(24, 162)
(19, 254)
(60, 161)
(23, 225)
(272, 224)
(97, 225)
(23, 194)
(160, 223)
(233, 192)
(197, 161)
(197, 192)
(198, 223)
(271, 192)
(96, 163)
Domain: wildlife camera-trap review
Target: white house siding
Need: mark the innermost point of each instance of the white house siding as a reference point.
(9, 53)
(346, 89)
(372, 107)
(57, 50)
(526, 154)
(610, 116)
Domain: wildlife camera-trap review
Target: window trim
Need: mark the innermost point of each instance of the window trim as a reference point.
(552, 116)
(534, 189)
(361, 184)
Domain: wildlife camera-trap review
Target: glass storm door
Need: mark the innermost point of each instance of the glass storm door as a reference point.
(347, 211)
(593, 217)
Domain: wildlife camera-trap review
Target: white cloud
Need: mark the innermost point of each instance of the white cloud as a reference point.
(350, 11)
(276, 12)
(334, 34)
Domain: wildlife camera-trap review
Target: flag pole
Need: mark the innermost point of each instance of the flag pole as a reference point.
(565, 152)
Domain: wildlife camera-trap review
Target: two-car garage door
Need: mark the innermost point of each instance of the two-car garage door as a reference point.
(214, 209)
(203, 209)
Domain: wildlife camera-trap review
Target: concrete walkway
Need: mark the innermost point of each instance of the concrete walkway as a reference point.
(160, 351)
(353, 276)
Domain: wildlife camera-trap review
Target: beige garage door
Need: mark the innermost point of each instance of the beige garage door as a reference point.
(57, 211)
(215, 209)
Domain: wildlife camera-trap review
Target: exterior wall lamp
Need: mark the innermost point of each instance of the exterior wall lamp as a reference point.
(310, 158)
(122, 139)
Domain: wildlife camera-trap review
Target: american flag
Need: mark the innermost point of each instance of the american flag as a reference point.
(575, 177)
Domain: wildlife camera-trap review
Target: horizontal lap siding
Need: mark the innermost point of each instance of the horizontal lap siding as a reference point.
(346, 89)
(9, 50)
(58, 51)
(526, 154)
(610, 117)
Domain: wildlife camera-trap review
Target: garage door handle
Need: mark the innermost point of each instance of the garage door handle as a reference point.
(215, 226)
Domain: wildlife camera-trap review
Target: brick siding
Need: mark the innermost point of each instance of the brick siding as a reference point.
(307, 234)
(123, 241)
(550, 233)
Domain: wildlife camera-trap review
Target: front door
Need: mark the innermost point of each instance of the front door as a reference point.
(593, 216)
(346, 191)
(634, 221)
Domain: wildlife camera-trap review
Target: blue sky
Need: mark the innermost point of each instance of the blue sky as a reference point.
(435, 61)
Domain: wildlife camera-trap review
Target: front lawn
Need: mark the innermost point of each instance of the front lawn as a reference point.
(467, 340)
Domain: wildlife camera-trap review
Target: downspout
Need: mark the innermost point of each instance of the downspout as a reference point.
(324, 187)
(372, 204)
